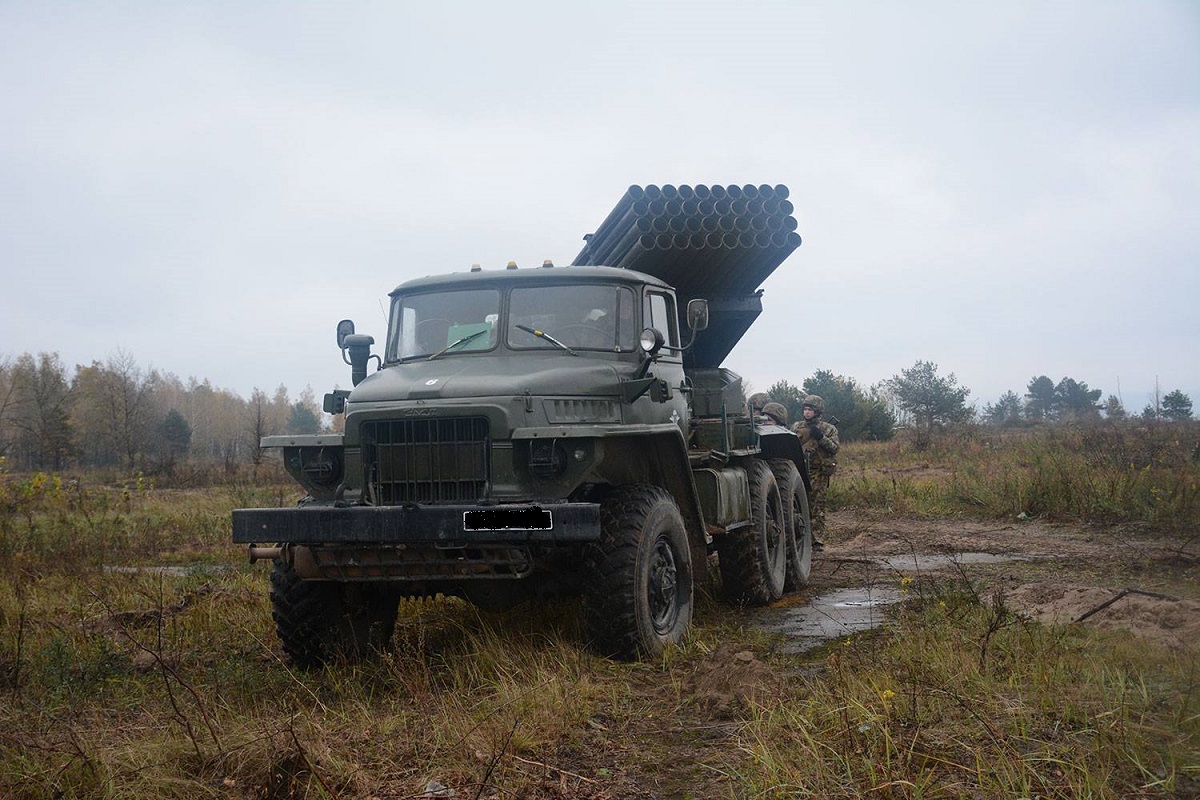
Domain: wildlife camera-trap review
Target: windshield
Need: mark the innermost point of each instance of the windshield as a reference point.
(580, 317)
(425, 324)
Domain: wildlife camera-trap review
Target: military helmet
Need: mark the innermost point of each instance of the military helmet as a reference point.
(777, 412)
(815, 402)
(758, 400)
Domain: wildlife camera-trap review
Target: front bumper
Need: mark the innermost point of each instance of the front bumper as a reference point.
(551, 523)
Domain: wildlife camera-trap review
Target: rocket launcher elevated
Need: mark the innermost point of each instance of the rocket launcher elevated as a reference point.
(712, 241)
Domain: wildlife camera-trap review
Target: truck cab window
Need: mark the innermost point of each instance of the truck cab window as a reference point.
(582, 317)
(423, 324)
(660, 314)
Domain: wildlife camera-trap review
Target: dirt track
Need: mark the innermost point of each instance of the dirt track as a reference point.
(1117, 577)
(1053, 573)
(688, 726)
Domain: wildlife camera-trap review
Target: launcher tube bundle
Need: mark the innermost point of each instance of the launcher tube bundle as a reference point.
(720, 242)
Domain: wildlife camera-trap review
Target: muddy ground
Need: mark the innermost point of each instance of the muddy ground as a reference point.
(1119, 578)
(1110, 577)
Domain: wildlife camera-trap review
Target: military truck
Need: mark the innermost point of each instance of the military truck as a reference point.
(555, 430)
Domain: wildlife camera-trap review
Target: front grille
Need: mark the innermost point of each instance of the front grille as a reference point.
(426, 460)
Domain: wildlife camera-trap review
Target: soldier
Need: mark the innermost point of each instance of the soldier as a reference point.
(820, 441)
(756, 402)
(776, 413)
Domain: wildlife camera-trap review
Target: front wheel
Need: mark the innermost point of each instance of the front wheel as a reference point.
(638, 596)
(318, 621)
(796, 521)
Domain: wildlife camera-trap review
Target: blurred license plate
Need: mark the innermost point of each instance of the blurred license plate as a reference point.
(508, 519)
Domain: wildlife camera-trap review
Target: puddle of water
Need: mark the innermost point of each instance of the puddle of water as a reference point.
(849, 611)
(929, 562)
(846, 611)
(830, 616)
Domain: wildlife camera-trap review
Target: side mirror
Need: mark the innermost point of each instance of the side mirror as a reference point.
(697, 314)
(344, 328)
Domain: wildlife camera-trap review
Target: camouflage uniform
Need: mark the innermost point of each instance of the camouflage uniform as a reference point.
(820, 442)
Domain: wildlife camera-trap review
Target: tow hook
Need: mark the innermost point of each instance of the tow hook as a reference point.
(264, 553)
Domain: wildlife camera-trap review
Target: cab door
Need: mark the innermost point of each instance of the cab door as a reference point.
(658, 311)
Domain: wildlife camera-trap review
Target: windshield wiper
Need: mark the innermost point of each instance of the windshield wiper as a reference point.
(455, 344)
(548, 338)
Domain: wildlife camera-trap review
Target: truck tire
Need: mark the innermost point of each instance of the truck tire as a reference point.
(319, 621)
(796, 521)
(753, 558)
(637, 599)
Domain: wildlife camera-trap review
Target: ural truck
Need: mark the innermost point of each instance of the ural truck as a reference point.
(540, 432)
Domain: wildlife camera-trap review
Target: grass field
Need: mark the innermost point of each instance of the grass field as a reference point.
(1135, 473)
(138, 659)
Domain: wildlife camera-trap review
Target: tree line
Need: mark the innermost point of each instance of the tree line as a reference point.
(1069, 399)
(921, 399)
(114, 414)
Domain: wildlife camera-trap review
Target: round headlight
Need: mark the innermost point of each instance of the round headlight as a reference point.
(651, 340)
(321, 465)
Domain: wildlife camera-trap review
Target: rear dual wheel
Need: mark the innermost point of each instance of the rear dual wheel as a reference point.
(797, 524)
(754, 558)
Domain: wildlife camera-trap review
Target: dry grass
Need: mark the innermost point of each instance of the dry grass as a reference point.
(963, 699)
(1102, 473)
(138, 659)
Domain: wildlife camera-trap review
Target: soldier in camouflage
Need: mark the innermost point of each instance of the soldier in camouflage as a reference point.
(756, 402)
(776, 413)
(820, 441)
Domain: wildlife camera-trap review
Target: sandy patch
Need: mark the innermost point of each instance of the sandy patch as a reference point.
(1152, 616)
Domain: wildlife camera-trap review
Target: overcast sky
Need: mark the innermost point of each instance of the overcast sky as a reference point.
(1006, 189)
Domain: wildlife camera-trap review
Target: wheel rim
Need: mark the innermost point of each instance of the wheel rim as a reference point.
(663, 588)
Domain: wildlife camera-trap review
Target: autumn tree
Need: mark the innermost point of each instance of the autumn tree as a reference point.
(114, 410)
(217, 419)
(265, 417)
(95, 442)
(8, 401)
(933, 400)
(258, 419)
(41, 412)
